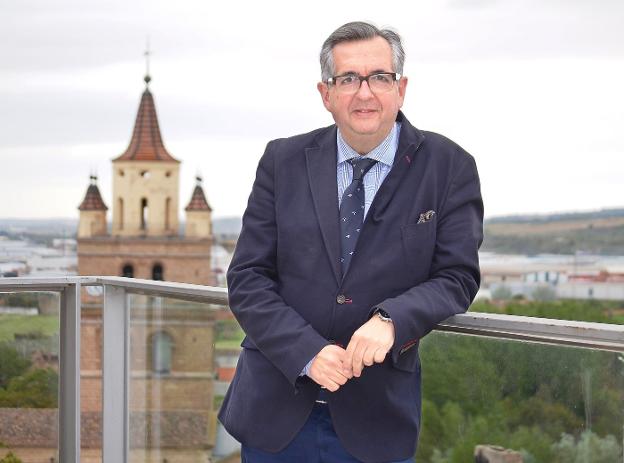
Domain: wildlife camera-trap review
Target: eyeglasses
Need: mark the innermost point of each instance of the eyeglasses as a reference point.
(378, 82)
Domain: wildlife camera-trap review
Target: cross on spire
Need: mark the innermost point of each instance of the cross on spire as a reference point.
(147, 54)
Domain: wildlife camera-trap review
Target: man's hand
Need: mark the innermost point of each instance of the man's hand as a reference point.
(369, 344)
(327, 368)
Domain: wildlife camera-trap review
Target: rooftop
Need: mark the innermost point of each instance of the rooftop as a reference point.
(146, 143)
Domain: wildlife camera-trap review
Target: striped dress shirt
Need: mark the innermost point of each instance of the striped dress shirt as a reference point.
(384, 154)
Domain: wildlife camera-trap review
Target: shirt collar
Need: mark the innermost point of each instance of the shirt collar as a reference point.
(383, 153)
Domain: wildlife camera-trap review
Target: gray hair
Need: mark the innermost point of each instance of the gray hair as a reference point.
(354, 31)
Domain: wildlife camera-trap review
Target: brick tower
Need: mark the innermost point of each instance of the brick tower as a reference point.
(145, 241)
(171, 342)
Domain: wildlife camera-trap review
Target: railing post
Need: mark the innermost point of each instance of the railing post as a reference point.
(115, 375)
(69, 395)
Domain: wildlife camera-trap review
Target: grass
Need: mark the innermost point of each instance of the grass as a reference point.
(11, 324)
(229, 343)
(228, 335)
(217, 401)
(561, 309)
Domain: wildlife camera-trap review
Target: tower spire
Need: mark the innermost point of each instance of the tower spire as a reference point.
(146, 143)
(198, 199)
(93, 199)
(147, 54)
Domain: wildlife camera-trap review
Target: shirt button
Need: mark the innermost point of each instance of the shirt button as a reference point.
(341, 299)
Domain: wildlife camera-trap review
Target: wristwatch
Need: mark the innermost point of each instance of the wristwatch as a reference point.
(381, 313)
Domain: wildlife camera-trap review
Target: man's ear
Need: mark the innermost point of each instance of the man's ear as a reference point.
(323, 89)
(402, 89)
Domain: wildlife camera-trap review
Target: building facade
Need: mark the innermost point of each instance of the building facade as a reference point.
(171, 342)
(144, 240)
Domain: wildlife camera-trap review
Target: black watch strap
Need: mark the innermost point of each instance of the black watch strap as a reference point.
(381, 313)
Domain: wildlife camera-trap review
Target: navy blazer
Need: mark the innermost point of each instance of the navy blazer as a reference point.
(288, 294)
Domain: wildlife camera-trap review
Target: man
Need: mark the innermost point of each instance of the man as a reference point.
(357, 240)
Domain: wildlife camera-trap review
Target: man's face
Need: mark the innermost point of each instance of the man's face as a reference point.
(364, 118)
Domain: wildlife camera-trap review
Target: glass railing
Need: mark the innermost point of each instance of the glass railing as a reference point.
(29, 375)
(542, 403)
(153, 361)
(171, 379)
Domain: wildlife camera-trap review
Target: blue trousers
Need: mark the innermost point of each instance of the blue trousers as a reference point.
(317, 442)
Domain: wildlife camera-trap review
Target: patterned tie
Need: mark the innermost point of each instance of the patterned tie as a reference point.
(352, 210)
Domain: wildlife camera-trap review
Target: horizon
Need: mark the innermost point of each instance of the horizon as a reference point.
(225, 217)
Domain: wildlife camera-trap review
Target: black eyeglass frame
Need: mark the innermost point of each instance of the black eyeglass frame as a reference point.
(395, 77)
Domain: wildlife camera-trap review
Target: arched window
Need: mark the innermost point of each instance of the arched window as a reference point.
(144, 212)
(127, 271)
(162, 345)
(120, 213)
(167, 213)
(157, 272)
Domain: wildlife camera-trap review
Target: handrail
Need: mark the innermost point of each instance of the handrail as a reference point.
(602, 336)
(592, 335)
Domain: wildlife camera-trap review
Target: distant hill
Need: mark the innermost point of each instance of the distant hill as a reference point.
(595, 232)
(58, 228)
(559, 216)
(227, 225)
(67, 227)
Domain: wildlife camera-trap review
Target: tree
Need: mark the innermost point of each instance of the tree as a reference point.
(12, 364)
(35, 389)
(544, 293)
(590, 447)
(502, 293)
(9, 457)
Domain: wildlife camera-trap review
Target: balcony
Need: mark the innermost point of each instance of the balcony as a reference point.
(137, 379)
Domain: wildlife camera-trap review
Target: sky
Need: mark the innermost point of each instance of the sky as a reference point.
(531, 88)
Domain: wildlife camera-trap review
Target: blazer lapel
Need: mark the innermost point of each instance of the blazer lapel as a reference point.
(321, 163)
(409, 142)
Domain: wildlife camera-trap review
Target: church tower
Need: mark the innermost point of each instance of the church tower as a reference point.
(171, 341)
(145, 180)
(145, 239)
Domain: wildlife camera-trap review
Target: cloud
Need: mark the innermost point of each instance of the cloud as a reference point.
(528, 82)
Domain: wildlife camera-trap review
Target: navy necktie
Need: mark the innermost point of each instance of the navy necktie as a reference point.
(352, 210)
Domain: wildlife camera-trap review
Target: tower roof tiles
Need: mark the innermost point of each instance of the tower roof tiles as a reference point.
(93, 199)
(198, 199)
(146, 143)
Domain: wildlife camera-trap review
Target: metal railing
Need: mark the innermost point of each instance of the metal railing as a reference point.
(116, 361)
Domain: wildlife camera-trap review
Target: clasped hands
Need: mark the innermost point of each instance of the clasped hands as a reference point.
(333, 366)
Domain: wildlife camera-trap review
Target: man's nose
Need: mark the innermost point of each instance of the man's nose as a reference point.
(364, 92)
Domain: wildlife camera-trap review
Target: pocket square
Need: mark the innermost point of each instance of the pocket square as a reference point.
(426, 216)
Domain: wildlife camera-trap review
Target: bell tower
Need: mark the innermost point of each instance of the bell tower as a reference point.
(145, 240)
(145, 179)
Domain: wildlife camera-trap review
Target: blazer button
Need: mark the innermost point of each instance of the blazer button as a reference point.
(341, 299)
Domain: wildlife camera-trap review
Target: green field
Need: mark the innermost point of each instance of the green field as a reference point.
(47, 325)
(228, 335)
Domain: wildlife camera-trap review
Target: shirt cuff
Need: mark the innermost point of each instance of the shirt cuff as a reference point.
(306, 369)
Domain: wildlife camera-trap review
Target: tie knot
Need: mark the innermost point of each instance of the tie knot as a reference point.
(361, 166)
